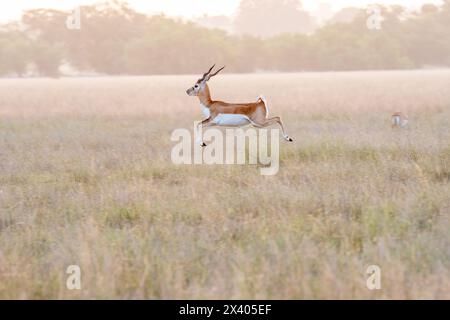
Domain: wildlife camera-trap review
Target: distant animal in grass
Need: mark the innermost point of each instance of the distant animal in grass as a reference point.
(399, 120)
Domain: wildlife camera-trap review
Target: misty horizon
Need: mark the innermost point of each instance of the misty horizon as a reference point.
(194, 11)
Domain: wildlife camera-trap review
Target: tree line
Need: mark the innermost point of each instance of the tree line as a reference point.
(114, 39)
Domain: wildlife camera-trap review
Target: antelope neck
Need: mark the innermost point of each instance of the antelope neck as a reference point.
(205, 97)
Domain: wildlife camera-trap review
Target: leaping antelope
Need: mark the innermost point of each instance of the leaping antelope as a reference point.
(399, 120)
(219, 113)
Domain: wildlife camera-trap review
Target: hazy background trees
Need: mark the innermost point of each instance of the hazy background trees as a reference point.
(14, 52)
(267, 35)
(267, 18)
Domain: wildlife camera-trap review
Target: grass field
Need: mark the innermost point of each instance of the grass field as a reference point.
(86, 179)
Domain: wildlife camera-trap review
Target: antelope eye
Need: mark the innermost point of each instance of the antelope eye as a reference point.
(196, 85)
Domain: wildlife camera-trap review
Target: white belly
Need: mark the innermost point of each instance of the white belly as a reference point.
(205, 110)
(224, 119)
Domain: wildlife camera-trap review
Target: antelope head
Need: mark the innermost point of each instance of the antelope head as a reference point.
(200, 86)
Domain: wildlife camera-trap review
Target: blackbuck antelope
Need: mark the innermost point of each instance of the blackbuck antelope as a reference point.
(220, 113)
(399, 120)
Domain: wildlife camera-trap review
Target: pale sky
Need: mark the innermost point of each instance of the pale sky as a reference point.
(11, 10)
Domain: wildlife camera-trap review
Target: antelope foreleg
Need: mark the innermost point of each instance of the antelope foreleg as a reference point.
(205, 124)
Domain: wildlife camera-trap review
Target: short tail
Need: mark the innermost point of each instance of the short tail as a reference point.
(263, 99)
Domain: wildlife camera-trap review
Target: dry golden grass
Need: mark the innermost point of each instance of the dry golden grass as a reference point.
(86, 179)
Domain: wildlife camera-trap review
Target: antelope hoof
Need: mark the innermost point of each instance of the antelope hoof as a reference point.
(287, 138)
(203, 145)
